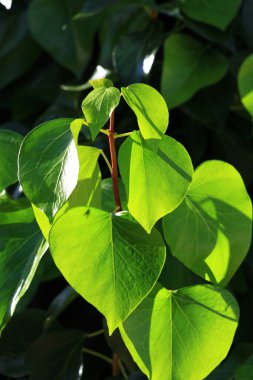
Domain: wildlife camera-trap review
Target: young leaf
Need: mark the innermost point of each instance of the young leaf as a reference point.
(98, 106)
(48, 175)
(189, 66)
(156, 183)
(150, 109)
(21, 248)
(104, 82)
(245, 83)
(172, 332)
(56, 356)
(218, 13)
(101, 253)
(210, 232)
(9, 146)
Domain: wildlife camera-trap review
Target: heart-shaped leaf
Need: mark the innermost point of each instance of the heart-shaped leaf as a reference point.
(189, 66)
(218, 13)
(150, 109)
(48, 165)
(98, 107)
(102, 253)
(172, 332)
(210, 232)
(156, 182)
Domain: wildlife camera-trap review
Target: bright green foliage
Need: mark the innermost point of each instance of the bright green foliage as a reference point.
(156, 182)
(98, 106)
(189, 66)
(245, 83)
(49, 174)
(42, 221)
(150, 109)
(98, 83)
(70, 48)
(21, 248)
(9, 147)
(114, 253)
(56, 355)
(218, 13)
(210, 232)
(173, 335)
(245, 371)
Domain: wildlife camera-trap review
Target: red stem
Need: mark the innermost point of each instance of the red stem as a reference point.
(114, 164)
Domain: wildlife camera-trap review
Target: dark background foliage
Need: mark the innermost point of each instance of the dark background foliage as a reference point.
(49, 49)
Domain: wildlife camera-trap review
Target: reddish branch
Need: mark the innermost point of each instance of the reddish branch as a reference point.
(114, 164)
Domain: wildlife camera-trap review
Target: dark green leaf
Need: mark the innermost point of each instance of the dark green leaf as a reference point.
(189, 66)
(57, 356)
(108, 199)
(172, 332)
(18, 51)
(20, 332)
(9, 147)
(245, 371)
(96, 250)
(210, 232)
(48, 165)
(67, 39)
(218, 13)
(21, 247)
(156, 182)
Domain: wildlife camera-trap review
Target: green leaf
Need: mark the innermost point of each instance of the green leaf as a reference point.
(9, 146)
(21, 248)
(57, 356)
(156, 183)
(213, 12)
(20, 332)
(71, 45)
(108, 199)
(42, 220)
(174, 334)
(98, 106)
(16, 42)
(189, 66)
(245, 83)
(105, 83)
(150, 109)
(48, 165)
(96, 250)
(245, 371)
(210, 232)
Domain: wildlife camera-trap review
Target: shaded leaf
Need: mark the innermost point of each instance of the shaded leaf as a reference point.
(189, 66)
(9, 146)
(210, 232)
(21, 247)
(57, 356)
(214, 12)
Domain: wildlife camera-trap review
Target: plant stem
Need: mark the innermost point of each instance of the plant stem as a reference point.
(122, 369)
(96, 333)
(122, 135)
(114, 164)
(98, 355)
(104, 131)
(106, 160)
